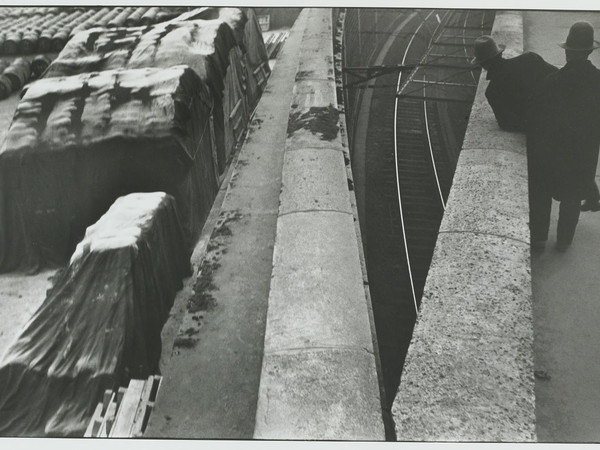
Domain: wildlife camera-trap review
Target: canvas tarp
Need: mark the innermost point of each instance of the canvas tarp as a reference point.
(235, 105)
(207, 47)
(100, 323)
(256, 58)
(235, 19)
(248, 35)
(77, 143)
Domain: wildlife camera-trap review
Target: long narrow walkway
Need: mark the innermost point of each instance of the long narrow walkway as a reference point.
(566, 289)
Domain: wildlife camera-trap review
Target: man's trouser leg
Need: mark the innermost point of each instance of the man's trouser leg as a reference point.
(568, 216)
(540, 205)
(594, 194)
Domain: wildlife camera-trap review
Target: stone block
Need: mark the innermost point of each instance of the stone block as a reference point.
(327, 393)
(489, 195)
(314, 180)
(317, 298)
(468, 374)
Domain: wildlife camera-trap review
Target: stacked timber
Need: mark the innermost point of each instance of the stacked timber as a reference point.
(111, 303)
(124, 413)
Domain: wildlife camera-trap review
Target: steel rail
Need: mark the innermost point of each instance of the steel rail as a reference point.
(402, 221)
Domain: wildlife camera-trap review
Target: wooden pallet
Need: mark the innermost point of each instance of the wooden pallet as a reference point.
(274, 42)
(125, 413)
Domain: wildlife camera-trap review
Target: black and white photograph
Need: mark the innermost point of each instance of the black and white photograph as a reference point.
(299, 224)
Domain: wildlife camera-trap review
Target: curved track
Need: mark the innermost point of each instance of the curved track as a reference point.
(411, 149)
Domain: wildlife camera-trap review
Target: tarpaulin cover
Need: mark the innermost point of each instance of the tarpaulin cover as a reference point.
(249, 38)
(235, 18)
(256, 58)
(100, 324)
(204, 46)
(235, 105)
(77, 143)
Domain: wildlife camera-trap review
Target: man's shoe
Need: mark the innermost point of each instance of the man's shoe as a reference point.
(590, 205)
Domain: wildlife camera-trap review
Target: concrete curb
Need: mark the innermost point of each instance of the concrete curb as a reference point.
(468, 375)
(319, 378)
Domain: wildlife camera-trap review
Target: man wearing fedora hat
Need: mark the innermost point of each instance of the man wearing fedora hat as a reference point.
(511, 81)
(565, 123)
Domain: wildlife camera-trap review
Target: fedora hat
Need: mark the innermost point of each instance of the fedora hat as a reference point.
(580, 38)
(486, 49)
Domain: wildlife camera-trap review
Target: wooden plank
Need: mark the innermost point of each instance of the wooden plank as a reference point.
(235, 109)
(146, 406)
(106, 399)
(94, 425)
(126, 413)
(120, 394)
(157, 381)
(140, 413)
(109, 417)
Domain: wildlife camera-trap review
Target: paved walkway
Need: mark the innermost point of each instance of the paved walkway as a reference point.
(566, 300)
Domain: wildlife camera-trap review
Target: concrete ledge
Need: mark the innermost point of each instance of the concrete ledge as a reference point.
(468, 374)
(316, 181)
(317, 383)
(474, 204)
(319, 378)
(317, 297)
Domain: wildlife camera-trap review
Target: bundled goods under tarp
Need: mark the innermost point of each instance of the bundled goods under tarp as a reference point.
(77, 143)
(14, 76)
(248, 35)
(207, 47)
(31, 30)
(100, 324)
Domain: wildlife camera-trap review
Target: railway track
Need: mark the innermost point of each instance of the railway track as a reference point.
(412, 146)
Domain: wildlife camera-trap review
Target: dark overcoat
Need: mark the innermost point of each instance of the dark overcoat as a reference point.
(512, 83)
(565, 124)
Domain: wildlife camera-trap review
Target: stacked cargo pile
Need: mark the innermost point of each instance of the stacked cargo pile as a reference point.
(98, 325)
(207, 47)
(30, 30)
(114, 115)
(222, 45)
(244, 24)
(211, 48)
(76, 143)
(44, 31)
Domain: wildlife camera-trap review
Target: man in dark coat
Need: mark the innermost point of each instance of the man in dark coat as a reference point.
(512, 84)
(512, 81)
(565, 123)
